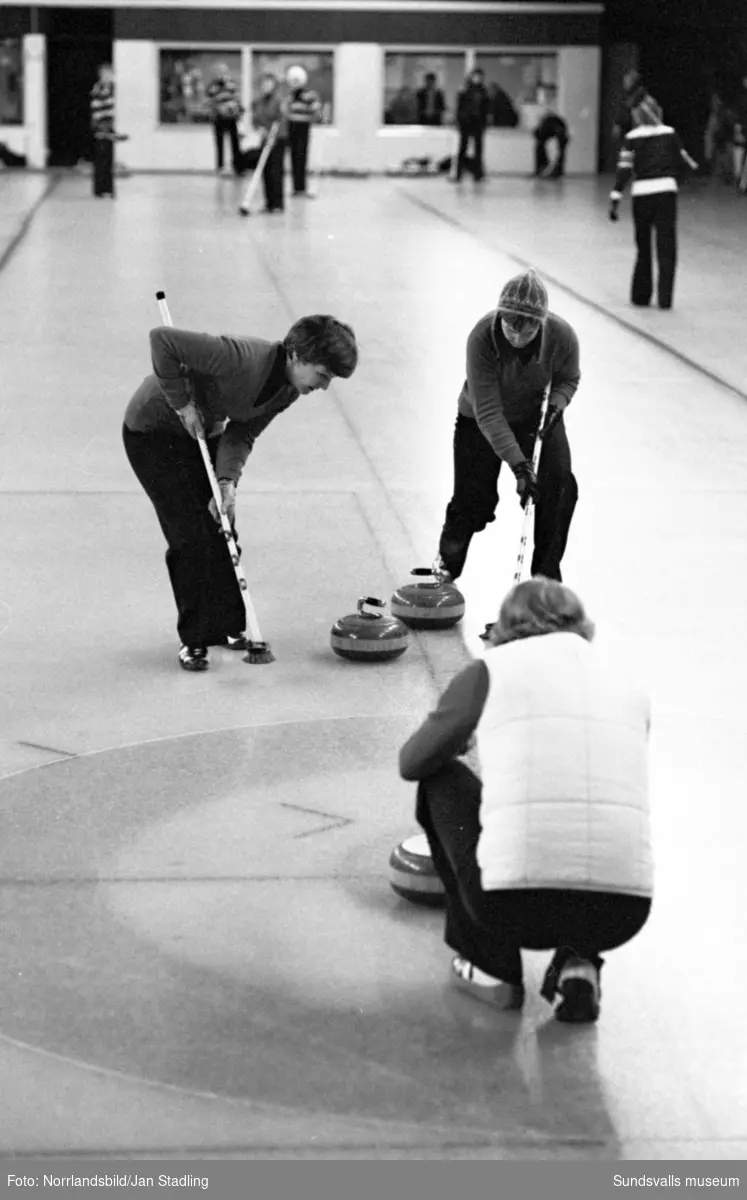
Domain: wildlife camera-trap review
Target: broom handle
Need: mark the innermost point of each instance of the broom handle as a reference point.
(218, 498)
(258, 171)
(529, 510)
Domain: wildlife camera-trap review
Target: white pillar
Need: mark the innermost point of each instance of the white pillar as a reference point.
(35, 99)
(359, 102)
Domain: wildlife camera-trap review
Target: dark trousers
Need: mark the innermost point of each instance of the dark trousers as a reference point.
(272, 178)
(655, 214)
(542, 162)
(490, 929)
(475, 498)
(221, 127)
(208, 598)
(298, 140)
(103, 166)
(476, 135)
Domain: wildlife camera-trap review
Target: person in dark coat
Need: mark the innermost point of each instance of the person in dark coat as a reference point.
(430, 101)
(473, 109)
(227, 389)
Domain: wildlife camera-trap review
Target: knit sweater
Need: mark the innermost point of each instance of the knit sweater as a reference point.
(303, 106)
(652, 156)
(501, 391)
(226, 377)
(102, 107)
(268, 111)
(562, 741)
(223, 94)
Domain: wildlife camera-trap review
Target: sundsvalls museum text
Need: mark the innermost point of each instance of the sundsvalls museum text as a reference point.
(667, 1181)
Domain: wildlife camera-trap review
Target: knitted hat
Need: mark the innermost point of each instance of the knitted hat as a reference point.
(647, 111)
(524, 296)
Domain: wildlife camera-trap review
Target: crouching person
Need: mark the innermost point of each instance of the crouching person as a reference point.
(551, 851)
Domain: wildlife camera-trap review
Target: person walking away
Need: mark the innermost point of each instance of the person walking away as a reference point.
(651, 156)
(303, 109)
(550, 127)
(552, 849)
(223, 94)
(229, 389)
(513, 355)
(269, 111)
(102, 127)
(430, 101)
(473, 107)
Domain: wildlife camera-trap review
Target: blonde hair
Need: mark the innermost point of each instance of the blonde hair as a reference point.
(540, 606)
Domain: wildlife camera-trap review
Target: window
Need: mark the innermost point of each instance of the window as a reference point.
(11, 82)
(516, 82)
(185, 77)
(404, 76)
(318, 64)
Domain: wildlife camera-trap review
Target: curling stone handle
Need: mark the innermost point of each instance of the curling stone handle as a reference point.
(372, 602)
(432, 577)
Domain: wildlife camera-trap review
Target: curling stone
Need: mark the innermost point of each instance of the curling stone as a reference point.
(369, 636)
(430, 602)
(412, 874)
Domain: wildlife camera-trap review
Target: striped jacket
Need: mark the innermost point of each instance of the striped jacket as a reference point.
(652, 156)
(304, 106)
(223, 94)
(102, 107)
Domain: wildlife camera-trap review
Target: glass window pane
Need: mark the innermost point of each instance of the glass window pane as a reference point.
(11, 81)
(404, 77)
(318, 64)
(515, 81)
(185, 77)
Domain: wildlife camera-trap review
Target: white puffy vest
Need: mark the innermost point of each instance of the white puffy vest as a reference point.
(563, 744)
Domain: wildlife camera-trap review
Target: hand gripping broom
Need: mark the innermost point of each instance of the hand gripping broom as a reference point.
(258, 650)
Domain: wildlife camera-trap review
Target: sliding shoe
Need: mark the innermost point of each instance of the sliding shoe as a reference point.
(578, 985)
(469, 978)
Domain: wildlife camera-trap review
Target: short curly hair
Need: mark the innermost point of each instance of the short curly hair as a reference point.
(539, 606)
(325, 342)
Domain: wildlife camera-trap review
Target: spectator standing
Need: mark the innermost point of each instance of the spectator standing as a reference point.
(223, 94)
(102, 127)
(430, 101)
(303, 109)
(473, 108)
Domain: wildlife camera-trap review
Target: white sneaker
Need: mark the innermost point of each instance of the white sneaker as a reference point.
(501, 995)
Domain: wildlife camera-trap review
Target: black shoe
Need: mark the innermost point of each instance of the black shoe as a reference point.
(579, 988)
(194, 658)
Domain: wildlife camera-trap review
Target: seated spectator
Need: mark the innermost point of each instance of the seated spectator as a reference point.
(552, 849)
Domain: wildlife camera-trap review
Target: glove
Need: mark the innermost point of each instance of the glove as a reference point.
(228, 495)
(614, 210)
(526, 483)
(552, 416)
(191, 419)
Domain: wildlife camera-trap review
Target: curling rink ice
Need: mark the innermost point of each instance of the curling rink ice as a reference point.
(200, 950)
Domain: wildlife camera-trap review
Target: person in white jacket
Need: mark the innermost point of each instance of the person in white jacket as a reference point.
(552, 849)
